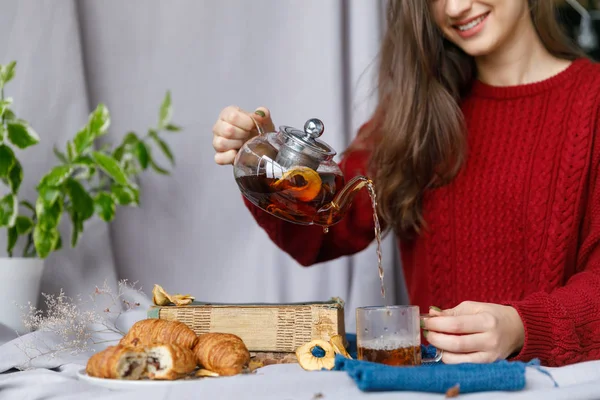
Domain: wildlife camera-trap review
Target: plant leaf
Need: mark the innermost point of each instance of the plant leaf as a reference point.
(60, 155)
(85, 160)
(77, 228)
(9, 209)
(21, 134)
(45, 240)
(142, 154)
(111, 167)
(157, 168)
(2, 132)
(105, 206)
(9, 115)
(4, 105)
(48, 195)
(99, 121)
(58, 245)
(24, 225)
(12, 238)
(173, 128)
(7, 72)
(71, 152)
(166, 111)
(97, 125)
(82, 202)
(7, 160)
(57, 176)
(129, 142)
(125, 195)
(82, 141)
(118, 153)
(49, 214)
(163, 146)
(15, 177)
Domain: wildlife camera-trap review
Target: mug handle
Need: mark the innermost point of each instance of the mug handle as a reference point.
(438, 353)
(438, 357)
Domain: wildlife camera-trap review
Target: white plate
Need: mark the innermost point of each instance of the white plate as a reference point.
(122, 384)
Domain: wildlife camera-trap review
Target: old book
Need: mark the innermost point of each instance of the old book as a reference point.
(279, 328)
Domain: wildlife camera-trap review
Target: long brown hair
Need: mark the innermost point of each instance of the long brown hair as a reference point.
(418, 135)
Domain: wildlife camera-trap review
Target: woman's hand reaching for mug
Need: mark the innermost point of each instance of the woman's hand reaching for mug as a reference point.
(234, 127)
(475, 332)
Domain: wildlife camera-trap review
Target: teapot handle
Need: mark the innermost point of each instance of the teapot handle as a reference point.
(258, 127)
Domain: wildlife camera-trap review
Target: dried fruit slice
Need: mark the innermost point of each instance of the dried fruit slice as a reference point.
(338, 346)
(316, 355)
(182, 299)
(161, 298)
(302, 183)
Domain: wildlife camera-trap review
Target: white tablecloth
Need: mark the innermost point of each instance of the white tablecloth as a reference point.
(279, 382)
(50, 378)
(56, 379)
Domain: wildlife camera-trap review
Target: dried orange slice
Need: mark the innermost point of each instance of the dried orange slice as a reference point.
(302, 183)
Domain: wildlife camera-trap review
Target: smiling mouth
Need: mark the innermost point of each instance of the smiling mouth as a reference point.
(471, 24)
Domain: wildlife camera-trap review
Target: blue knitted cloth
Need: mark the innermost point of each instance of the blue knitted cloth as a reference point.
(434, 378)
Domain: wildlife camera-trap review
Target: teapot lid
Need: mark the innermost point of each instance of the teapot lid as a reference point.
(306, 141)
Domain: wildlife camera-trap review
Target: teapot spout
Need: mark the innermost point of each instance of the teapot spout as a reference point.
(334, 211)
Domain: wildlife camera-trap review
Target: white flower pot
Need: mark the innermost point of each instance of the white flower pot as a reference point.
(20, 280)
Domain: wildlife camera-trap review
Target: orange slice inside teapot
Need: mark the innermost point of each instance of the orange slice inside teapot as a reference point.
(302, 183)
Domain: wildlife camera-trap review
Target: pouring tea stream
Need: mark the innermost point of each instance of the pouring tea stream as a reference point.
(291, 174)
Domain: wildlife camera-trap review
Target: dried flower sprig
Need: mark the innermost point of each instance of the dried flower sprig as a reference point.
(76, 325)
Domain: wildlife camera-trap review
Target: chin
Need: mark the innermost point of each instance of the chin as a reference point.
(479, 48)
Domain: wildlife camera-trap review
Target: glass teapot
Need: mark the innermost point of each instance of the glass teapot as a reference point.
(291, 174)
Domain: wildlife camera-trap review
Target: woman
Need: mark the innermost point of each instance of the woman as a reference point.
(485, 156)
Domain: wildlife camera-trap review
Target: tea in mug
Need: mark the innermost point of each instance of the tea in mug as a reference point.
(389, 352)
(391, 335)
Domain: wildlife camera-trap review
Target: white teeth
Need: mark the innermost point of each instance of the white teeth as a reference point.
(471, 24)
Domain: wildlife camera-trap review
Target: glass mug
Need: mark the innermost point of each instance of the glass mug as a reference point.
(391, 335)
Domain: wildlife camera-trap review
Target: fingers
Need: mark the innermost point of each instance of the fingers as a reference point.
(221, 143)
(229, 131)
(237, 118)
(461, 324)
(459, 344)
(234, 127)
(226, 157)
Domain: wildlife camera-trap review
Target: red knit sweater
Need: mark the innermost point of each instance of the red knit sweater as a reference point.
(520, 225)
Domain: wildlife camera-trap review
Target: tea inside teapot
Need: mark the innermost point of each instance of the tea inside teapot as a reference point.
(291, 174)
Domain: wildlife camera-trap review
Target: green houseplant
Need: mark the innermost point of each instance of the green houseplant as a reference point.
(88, 181)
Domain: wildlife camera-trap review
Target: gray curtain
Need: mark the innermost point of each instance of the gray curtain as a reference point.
(192, 233)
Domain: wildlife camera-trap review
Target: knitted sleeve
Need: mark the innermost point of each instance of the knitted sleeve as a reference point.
(563, 327)
(309, 245)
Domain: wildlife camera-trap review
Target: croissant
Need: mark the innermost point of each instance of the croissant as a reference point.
(150, 331)
(223, 353)
(169, 361)
(117, 362)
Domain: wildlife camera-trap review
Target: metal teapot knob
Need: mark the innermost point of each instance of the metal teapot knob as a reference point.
(314, 128)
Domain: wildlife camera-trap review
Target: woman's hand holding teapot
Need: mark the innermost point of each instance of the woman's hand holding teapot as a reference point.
(234, 127)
